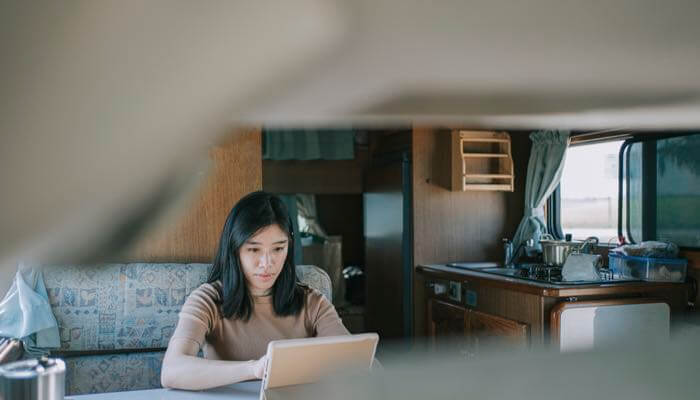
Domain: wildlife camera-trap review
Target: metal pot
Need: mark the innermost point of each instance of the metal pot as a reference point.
(555, 252)
(36, 379)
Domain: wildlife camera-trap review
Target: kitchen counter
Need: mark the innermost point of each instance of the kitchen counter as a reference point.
(542, 288)
(462, 302)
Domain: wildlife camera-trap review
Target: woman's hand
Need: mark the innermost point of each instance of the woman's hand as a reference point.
(258, 367)
(182, 369)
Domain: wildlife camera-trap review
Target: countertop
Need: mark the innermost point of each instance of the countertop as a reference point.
(544, 289)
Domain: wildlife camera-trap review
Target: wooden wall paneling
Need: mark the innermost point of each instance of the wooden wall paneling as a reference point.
(316, 176)
(236, 171)
(459, 226)
(383, 142)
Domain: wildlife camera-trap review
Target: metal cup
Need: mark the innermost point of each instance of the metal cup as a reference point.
(36, 379)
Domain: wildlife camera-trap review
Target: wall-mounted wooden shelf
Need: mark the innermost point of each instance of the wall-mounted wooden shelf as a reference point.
(480, 155)
(479, 160)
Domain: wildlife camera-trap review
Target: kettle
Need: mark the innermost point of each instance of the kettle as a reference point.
(35, 379)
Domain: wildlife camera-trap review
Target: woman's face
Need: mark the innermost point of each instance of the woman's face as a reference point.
(262, 258)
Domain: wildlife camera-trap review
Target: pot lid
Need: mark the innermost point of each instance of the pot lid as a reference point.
(561, 242)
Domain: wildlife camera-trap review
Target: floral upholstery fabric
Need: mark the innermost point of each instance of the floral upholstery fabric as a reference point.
(126, 306)
(119, 306)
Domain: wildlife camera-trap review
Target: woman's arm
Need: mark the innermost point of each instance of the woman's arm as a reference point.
(326, 320)
(182, 369)
(328, 323)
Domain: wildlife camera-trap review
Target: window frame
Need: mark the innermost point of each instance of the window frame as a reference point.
(554, 214)
(554, 201)
(649, 178)
(649, 189)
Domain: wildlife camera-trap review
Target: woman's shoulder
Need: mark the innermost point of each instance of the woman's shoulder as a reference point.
(313, 298)
(322, 317)
(209, 292)
(203, 304)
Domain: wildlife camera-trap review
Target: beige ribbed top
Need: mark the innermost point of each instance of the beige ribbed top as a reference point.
(235, 340)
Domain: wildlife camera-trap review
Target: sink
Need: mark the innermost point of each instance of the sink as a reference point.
(488, 267)
(500, 270)
(475, 265)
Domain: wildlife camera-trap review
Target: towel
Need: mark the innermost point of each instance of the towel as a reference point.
(581, 267)
(25, 313)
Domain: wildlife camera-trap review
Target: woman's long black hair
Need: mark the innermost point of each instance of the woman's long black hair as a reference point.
(252, 213)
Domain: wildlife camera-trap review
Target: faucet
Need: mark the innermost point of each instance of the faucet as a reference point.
(511, 255)
(589, 244)
(507, 252)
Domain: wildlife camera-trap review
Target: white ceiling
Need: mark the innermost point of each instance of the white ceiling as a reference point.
(106, 103)
(506, 64)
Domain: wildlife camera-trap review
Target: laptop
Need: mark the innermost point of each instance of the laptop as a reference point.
(295, 362)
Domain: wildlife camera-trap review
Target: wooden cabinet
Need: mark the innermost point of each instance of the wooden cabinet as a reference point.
(490, 329)
(447, 325)
(447, 319)
(456, 328)
(516, 314)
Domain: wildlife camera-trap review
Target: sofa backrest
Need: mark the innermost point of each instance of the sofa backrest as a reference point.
(119, 306)
(115, 320)
(131, 306)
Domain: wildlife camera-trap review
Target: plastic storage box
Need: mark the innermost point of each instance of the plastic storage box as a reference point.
(648, 269)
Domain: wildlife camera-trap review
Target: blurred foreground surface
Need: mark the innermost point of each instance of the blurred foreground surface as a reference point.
(638, 371)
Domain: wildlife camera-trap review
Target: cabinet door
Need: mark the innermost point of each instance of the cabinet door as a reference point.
(446, 325)
(493, 330)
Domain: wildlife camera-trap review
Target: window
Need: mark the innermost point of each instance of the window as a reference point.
(656, 195)
(662, 190)
(589, 191)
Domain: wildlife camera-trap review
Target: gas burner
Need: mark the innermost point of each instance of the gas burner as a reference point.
(542, 273)
(606, 274)
(547, 273)
(539, 272)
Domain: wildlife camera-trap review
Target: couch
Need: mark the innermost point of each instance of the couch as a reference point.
(115, 320)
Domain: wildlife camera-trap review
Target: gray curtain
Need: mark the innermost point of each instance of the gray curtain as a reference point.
(290, 201)
(543, 175)
(298, 144)
(306, 207)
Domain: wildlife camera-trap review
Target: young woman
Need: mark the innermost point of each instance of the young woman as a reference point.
(252, 297)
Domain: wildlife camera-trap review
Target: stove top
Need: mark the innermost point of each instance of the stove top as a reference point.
(542, 273)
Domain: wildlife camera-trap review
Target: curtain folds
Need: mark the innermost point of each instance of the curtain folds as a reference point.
(290, 201)
(543, 175)
(306, 206)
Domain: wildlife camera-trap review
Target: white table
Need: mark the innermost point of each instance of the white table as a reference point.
(243, 390)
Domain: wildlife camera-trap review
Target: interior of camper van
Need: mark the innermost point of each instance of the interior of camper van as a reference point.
(473, 200)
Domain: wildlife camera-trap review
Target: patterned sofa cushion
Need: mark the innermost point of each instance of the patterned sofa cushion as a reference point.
(120, 307)
(113, 372)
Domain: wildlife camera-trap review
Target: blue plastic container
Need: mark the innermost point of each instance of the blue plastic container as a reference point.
(648, 269)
